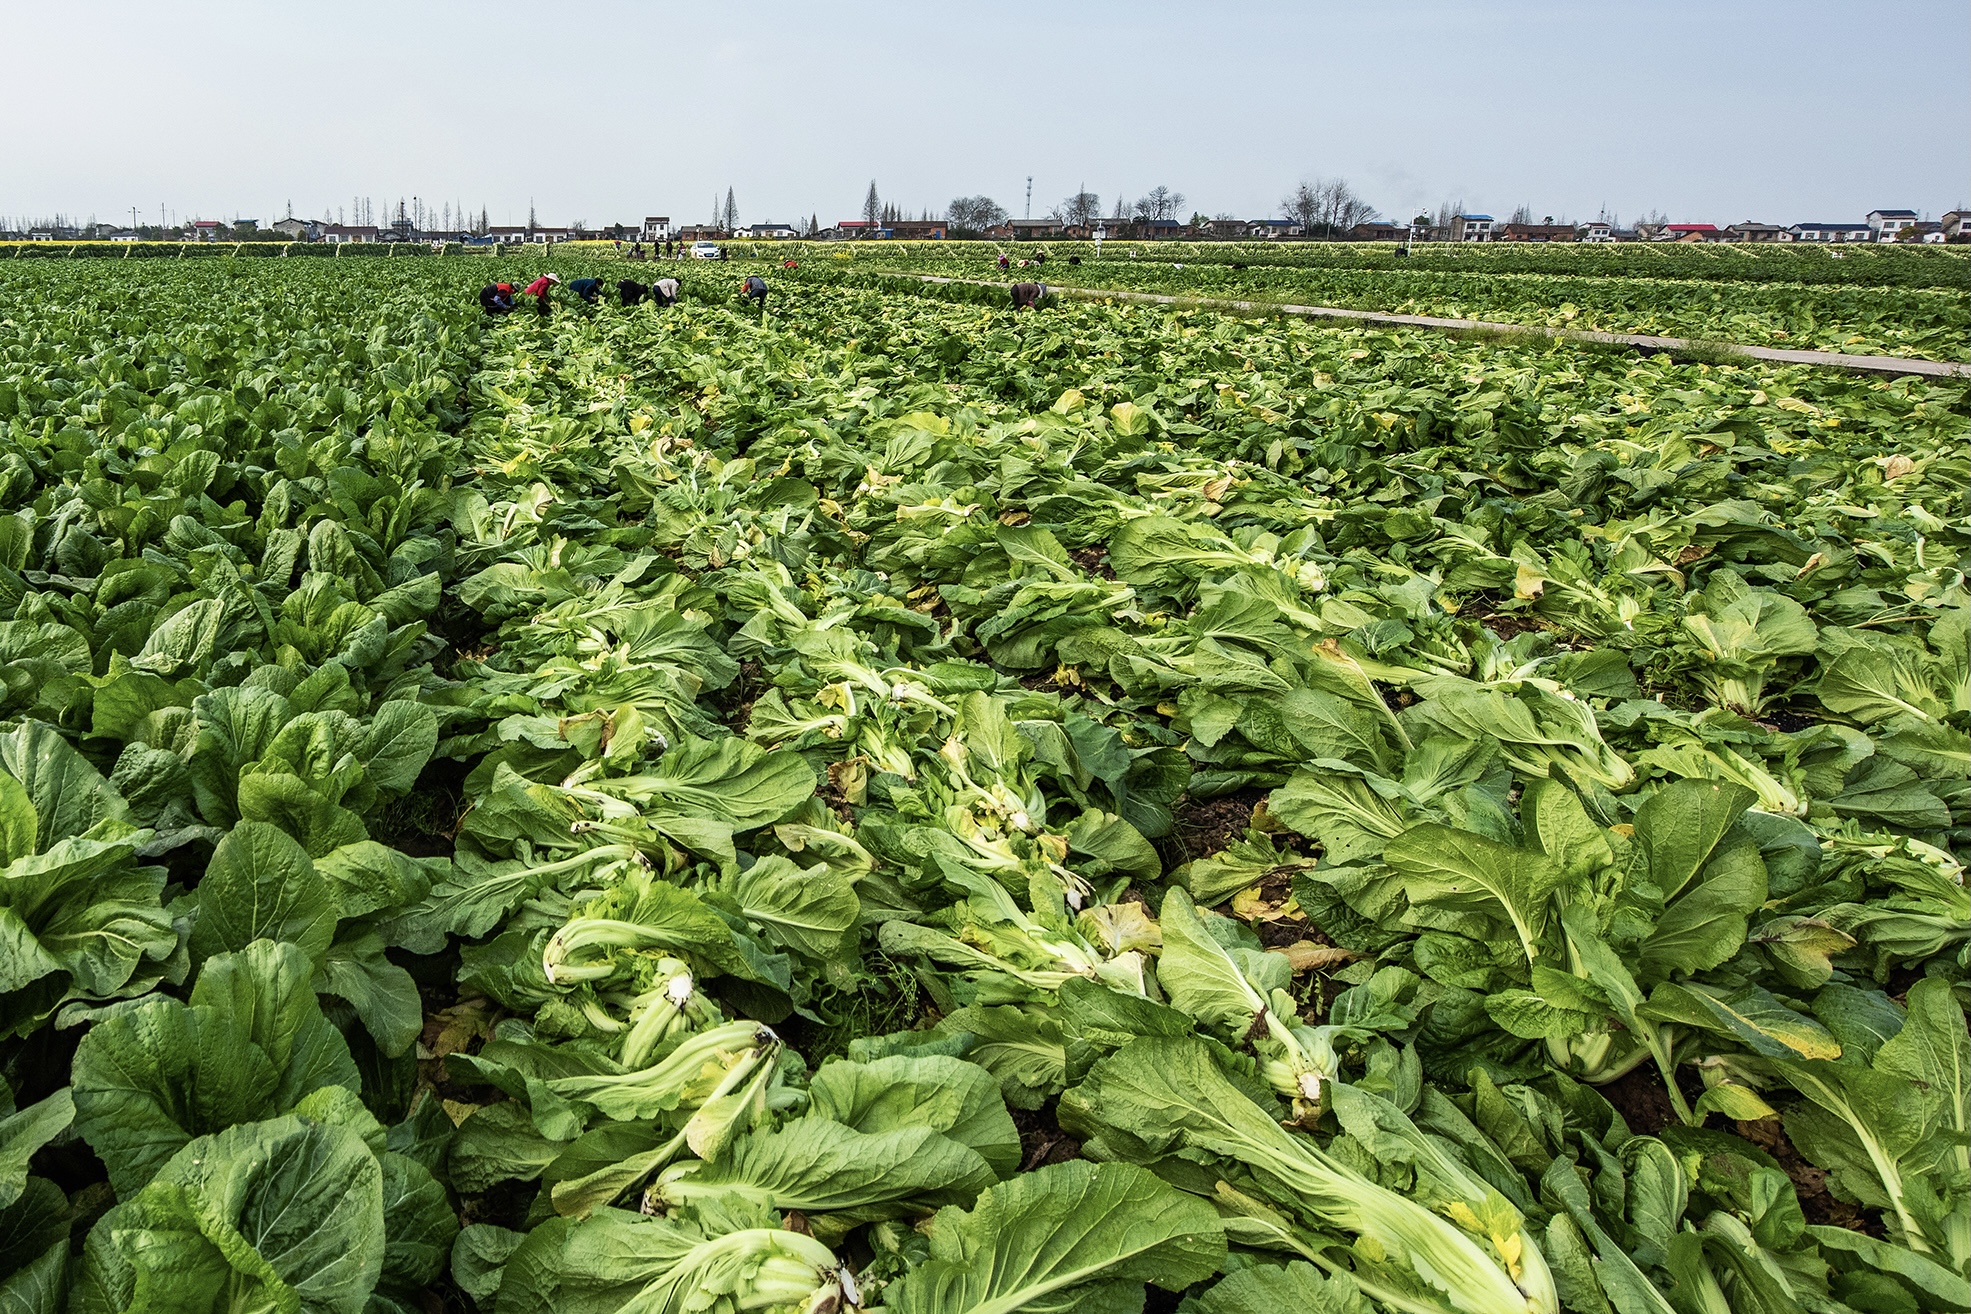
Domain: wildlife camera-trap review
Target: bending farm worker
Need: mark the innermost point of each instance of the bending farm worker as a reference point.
(588, 289)
(631, 291)
(1026, 296)
(664, 291)
(755, 288)
(496, 298)
(538, 289)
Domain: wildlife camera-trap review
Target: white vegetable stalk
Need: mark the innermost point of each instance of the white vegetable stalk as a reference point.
(755, 1269)
(698, 1067)
(670, 1011)
(1444, 1256)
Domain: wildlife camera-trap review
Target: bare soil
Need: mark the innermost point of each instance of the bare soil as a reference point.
(1210, 825)
(1809, 1182)
(1041, 1141)
(1094, 561)
(735, 701)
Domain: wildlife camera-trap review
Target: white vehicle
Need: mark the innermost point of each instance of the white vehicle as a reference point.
(705, 251)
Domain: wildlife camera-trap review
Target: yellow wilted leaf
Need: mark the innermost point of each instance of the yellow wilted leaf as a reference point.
(1306, 956)
(850, 779)
(1250, 905)
(1509, 1250)
(458, 1111)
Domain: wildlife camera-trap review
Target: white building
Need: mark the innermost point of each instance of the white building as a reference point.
(1270, 228)
(1594, 230)
(1472, 227)
(1852, 232)
(1885, 224)
(767, 230)
(656, 228)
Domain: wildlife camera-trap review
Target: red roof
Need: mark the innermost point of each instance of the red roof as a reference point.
(1692, 228)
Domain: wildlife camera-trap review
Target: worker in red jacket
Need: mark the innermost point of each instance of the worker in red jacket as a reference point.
(538, 289)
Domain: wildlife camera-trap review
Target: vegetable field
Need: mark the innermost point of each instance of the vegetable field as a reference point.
(1897, 303)
(891, 804)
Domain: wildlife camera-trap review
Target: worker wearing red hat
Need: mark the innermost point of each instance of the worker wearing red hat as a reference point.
(496, 298)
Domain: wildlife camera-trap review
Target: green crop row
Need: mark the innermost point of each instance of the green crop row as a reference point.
(881, 801)
(1859, 265)
(1931, 323)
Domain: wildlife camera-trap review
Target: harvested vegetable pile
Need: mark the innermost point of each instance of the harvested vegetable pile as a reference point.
(891, 804)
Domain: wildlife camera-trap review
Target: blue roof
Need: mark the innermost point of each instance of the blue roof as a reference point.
(1475, 216)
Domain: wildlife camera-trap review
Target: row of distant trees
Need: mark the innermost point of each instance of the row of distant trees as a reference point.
(1325, 206)
(1322, 207)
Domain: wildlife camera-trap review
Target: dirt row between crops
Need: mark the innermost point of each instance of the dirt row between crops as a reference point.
(1896, 365)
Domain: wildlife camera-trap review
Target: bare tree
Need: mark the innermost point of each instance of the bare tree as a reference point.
(872, 206)
(1160, 203)
(975, 214)
(1083, 208)
(1326, 206)
(1303, 206)
(1522, 214)
(729, 213)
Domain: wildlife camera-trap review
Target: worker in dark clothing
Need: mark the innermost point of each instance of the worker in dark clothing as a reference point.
(631, 291)
(1003, 261)
(1040, 257)
(755, 288)
(1026, 296)
(664, 291)
(497, 298)
(588, 289)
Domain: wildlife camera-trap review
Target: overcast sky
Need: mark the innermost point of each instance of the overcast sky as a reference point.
(1716, 111)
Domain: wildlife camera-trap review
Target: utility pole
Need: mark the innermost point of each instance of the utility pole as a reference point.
(1029, 196)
